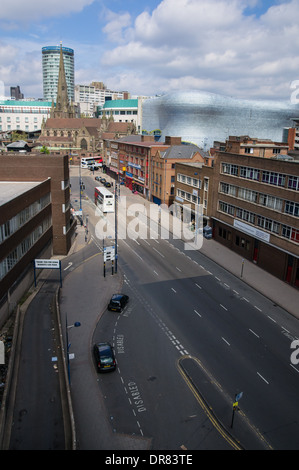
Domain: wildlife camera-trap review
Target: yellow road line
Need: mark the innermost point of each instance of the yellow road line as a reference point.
(234, 444)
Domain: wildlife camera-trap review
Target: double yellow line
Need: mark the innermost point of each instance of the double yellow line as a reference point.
(208, 411)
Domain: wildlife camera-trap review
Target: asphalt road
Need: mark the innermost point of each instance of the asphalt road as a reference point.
(184, 305)
(191, 338)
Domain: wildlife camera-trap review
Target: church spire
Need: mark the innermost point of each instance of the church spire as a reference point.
(62, 109)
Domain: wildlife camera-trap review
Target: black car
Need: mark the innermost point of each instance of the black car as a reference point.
(107, 184)
(102, 180)
(118, 302)
(97, 178)
(104, 356)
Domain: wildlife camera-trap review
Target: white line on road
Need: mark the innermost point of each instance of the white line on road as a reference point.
(251, 331)
(173, 290)
(262, 378)
(223, 307)
(197, 313)
(158, 252)
(271, 319)
(198, 286)
(225, 341)
(257, 308)
(294, 368)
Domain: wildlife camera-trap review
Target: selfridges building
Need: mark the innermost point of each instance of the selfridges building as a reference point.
(202, 118)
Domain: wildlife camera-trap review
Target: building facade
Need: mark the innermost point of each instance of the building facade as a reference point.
(50, 65)
(129, 159)
(255, 211)
(26, 115)
(25, 232)
(163, 169)
(37, 168)
(193, 181)
(90, 97)
(123, 111)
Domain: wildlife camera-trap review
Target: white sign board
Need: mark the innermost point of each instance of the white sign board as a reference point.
(109, 253)
(254, 232)
(47, 263)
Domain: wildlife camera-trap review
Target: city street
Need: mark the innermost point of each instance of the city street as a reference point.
(178, 309)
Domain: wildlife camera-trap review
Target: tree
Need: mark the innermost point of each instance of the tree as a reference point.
(44, 149)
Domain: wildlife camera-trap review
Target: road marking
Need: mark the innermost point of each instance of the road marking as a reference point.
(262, 378)
(294, 368)
(173, 290)
(271, 319)
(198, 286)
(197, 313)
(178, 269)
(223, 307)
(68, 266)
(253, 333)
(225, 341)
(257, 308)
(158, 252)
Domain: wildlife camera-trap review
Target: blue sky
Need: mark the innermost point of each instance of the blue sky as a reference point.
(241, 48)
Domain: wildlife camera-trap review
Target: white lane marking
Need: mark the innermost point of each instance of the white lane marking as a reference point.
(263, 378)
(251, 331)
(225, 341)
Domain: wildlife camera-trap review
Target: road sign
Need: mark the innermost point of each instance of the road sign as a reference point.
(239, 396)
(47, 263)
(109, 253)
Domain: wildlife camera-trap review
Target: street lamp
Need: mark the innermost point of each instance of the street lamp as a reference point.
(67, 327)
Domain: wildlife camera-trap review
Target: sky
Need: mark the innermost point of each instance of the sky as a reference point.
(239, 48)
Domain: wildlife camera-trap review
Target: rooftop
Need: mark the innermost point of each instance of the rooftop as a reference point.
(12, 189)
(131, 103)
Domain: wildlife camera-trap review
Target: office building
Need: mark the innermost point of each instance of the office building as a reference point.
(50, 64)
(92, 97)
(35, 218)
(26, 115)
(255, 210)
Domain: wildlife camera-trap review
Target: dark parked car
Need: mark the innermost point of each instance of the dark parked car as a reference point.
(102, 180)
(97, 178)
(118, 302)
(104, 356)
(107, 184)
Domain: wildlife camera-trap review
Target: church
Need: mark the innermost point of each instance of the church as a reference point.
(80, 137)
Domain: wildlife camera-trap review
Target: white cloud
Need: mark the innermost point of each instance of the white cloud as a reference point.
(211, 43)
(20, 11)
(116, 24)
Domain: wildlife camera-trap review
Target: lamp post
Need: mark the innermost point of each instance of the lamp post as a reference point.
(67, 327)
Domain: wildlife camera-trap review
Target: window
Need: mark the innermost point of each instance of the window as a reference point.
(291, 208)
(247, 195)
(245, 215)
(229, 169)
(249, 173)
(271, 202)
(227, 208)
(270, 177)
(293, 183)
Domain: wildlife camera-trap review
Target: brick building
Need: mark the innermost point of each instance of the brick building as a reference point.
(255, 210)
(192, 186)
(35, 216)
(265, 148)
